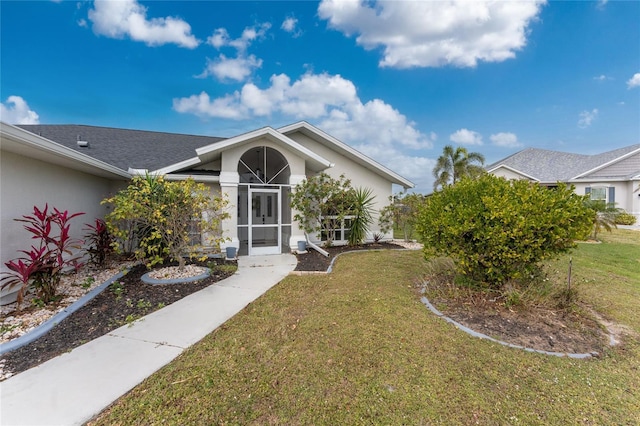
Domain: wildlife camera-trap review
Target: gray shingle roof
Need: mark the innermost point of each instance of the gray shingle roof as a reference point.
(554, 166)
(125, 148)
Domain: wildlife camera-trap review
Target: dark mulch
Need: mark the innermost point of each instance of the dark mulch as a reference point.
(316, 262)
(105, 313)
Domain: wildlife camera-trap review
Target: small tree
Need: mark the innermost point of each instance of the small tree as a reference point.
(164, 214)
(322, 201)
(401, 213)
(497, 230)
(604, 216)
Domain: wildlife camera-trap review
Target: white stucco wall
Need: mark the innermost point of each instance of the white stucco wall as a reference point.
(26, 182)
(626, 195)
(359, 175)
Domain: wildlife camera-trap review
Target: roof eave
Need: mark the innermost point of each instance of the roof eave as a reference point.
(23, 142)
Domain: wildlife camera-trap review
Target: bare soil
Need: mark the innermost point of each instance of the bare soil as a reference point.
(542, 328)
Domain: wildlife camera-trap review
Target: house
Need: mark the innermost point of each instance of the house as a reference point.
(613, 176)
(74, 167)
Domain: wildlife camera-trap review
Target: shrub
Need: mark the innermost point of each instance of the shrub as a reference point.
(362, 212)
(625, 219)
(100, 242)
(497, 230)
(162, 216)
(43, 265)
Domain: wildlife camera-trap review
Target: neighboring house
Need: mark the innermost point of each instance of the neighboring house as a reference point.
(612, 176)
(74, 167)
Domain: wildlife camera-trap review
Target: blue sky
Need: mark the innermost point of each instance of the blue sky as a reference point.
(396, 80)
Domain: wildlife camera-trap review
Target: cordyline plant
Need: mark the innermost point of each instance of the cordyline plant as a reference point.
(43, 265)
(323, 202)
(161, 216)
(99, 239)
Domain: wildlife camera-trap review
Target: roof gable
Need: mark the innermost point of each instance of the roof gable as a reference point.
(345, 150)
(211, 152)
(552, 166)
(623, 167)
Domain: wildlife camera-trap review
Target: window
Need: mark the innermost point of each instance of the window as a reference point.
(599, 193)
(339, 230)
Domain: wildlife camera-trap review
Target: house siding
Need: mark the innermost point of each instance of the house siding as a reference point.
(26, 182)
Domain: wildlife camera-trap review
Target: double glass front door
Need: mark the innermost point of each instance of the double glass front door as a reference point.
(264, 222)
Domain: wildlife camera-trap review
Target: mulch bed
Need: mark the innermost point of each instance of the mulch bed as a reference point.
(107, 311)
(312, 261)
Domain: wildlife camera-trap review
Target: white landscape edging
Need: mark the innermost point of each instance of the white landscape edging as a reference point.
(511, 345)
(46, 326)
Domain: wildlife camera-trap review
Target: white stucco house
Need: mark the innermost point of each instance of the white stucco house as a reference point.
(612, 176)
(74, 167)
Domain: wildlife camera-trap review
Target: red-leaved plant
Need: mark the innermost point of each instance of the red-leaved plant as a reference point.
(43, 265)
(99, 240)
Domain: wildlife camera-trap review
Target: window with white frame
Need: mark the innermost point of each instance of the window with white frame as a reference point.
(338, 230)
(599, 193)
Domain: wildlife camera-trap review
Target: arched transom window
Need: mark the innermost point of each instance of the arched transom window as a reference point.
(263, 166)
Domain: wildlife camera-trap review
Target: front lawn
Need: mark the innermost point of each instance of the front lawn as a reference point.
(358, 347)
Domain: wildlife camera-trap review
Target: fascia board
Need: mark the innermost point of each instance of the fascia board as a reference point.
(607, 164)
(179, 166)
(22, 142)
(197, 178)
(504, 166)
(355, 154)
(271, 134)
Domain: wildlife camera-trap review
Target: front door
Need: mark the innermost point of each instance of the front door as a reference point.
(264, 222)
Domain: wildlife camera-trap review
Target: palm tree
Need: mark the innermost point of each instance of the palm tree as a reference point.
(454, 164)
(604, 216)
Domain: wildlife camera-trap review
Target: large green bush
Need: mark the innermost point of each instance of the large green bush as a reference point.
(160, 217)
(497, 230)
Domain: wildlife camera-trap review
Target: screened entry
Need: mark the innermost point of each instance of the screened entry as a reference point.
(264, 212)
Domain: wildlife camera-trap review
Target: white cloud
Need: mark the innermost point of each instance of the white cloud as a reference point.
(373, 127)
(117, 19)
(602, 3)
(505, 139)
(290, 25)
(435, 33)
(602, 77)
(240, 67)
(586, 118)
(634, 81)
(16, 111)
(237, 69)
(220, 37)
(466, 137)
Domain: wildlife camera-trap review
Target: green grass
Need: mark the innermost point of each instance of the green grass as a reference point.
(357, 347)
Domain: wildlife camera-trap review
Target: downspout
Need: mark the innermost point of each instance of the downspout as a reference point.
(315, 247)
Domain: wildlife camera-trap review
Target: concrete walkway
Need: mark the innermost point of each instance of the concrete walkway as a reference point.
(72, 388)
